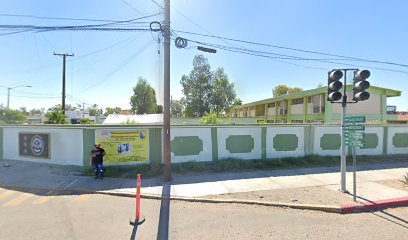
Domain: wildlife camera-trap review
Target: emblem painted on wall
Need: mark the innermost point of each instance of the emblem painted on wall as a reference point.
(34, 145)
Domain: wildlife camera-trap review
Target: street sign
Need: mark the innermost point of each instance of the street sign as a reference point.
(354, 143)
(355, 119)
(354, 127)
(354, 135)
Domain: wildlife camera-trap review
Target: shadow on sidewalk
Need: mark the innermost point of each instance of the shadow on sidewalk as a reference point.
(163, 228)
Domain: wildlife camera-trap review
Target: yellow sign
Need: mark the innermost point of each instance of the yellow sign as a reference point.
(124, 147)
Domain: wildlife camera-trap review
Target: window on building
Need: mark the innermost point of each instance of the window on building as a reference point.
(271, 105)
(270, 121)
(297, 121)
(318, 103)
(283, 107)
(297, 101)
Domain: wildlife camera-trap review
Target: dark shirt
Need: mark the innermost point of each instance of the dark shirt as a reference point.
(97, 155)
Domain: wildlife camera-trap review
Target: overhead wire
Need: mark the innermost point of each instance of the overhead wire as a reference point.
(118, 68)
(294, 49)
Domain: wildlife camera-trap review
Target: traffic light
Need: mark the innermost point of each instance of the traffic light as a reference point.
(360, 84)
(334, 85)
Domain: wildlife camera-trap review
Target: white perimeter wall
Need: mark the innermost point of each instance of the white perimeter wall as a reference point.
(66, 145)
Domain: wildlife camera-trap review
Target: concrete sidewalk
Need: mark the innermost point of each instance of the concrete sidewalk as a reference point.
(370, 189)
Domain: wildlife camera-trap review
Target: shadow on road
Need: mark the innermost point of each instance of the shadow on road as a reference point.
(392, 218)
(163, 229)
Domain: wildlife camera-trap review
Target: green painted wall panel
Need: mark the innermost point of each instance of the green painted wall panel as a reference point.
(88, 136)
(263, 142)
(240, 143)
(186, 145)
(155, 145)
(400, 140)
(330, 141)
(371, 140)
(214, 142)
(285, 142)
(1, 144)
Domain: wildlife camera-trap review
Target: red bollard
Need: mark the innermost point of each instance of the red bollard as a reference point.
(138, 197)
(139, 219)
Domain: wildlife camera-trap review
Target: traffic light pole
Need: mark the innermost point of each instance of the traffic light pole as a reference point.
(343, 162)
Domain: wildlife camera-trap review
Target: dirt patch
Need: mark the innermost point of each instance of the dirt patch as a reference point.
(308, 195)
(398, 184)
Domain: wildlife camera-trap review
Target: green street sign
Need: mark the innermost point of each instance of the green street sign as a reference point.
(354, 142)
(354, 127)
(354, 134)
(355, 119)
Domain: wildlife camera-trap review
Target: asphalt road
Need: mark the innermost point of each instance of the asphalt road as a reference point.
(38, 215)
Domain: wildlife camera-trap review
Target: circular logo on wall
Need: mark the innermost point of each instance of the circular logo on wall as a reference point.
(37, 145)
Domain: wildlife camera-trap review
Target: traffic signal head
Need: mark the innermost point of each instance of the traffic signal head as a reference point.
(360, 84)
(334, 85)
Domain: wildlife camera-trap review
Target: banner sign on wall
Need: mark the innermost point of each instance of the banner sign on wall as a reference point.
(124, 147)
(35, 145)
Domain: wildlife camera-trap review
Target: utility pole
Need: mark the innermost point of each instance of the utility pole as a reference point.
(166, 100)
(64, 59)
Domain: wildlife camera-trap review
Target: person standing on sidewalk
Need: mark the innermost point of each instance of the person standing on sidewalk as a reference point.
(97, 160)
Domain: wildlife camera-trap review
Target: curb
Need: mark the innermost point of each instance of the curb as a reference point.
(374, 205)
(342, 208)
(323, 208)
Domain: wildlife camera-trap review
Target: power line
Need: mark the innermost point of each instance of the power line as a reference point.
(119, 67)
(157, 4)
(295, 49)
(129, 5)
(70, 19)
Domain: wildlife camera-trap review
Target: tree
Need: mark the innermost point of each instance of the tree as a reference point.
(283, 90)
(159, 109)
(237, 102)
(223, 94)
(109, 110)
(84, 121)
(176, 108)
(55, 117)
(294, 90)
(94, 110)
(68, 107)
(280, 90)
(210, 118)
(319, 85)
(35, 111)
(9, 116)
(23, 110)
(205, 90)
(144, 98)
(197, 88)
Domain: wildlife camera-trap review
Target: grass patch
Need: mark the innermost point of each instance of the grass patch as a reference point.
(236, 165)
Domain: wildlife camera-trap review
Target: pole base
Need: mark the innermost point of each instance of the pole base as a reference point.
(141, 220)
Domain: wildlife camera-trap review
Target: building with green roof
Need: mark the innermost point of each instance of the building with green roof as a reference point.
(311, 106)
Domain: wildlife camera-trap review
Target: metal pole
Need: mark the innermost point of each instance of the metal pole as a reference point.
(166, 100)
(8, 98)
(343, 162)
(354, 174)
(64, 57)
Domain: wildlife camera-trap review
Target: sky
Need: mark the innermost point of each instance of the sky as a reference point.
(107, 64)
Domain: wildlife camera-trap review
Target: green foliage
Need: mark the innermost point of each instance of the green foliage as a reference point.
(237, 102)
(210, 118)
(55, 117)
(9, 116)
(176, 107)
(143, 100)
(109, 110)
(35, 111)
(283, 90)
(94, 110)
(68, 107)
(205, 90)
(223, 94)
(85, 121)
(159, 109)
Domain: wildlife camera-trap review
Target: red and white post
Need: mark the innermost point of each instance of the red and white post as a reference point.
(139, 219)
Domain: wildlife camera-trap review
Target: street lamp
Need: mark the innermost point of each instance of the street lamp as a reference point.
(8, 93)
